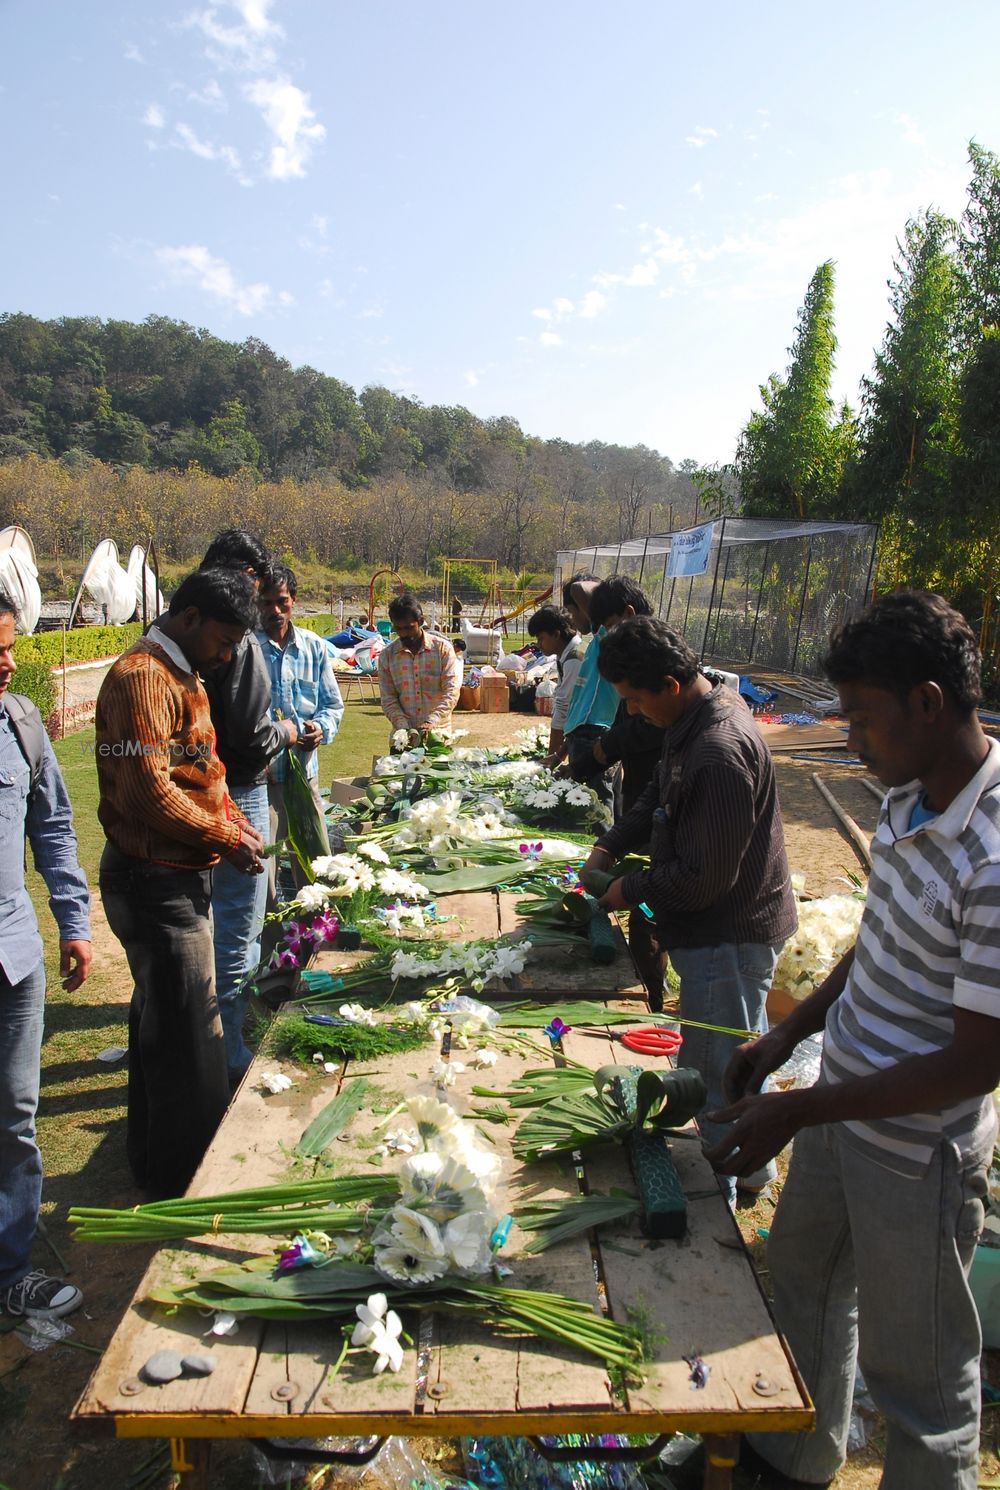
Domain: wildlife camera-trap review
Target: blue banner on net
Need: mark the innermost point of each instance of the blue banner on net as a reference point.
(690, 550)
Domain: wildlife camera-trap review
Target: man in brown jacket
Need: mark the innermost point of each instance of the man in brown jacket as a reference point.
(168, 819)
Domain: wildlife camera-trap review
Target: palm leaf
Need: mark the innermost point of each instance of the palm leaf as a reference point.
(306, 827)
(334, 1118)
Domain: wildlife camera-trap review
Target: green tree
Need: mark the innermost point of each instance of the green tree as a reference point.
(903, 468)
(790, 455)
(230, 440)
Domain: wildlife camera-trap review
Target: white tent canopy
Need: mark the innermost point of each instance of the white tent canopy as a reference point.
(19, 577)
(144, 579)
(108, 585)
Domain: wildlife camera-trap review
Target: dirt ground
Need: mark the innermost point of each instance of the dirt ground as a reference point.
(38, 1388)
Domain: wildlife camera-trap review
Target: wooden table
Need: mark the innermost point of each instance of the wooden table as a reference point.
(699, 1295)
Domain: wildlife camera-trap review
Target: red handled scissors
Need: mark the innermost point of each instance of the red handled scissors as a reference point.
(653, 1039)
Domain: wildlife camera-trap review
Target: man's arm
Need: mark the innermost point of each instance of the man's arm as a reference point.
(392, 704)
(630, 832)
(764, 1124)
(451, 686)
(137, 710)
(714, 829)
(630, 734)
(49, 827)
(330, 705)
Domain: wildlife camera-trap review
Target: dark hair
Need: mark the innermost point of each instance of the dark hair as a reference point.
(405, 607)
(280, 574)
(552, 619)
(644, 652)
(612, 596)
(225, 595)
(8, 607)
(581, 577)
(911, 637)
(236, 549)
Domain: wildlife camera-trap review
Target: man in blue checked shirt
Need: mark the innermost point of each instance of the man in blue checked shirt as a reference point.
(33, 803)
(303, 689)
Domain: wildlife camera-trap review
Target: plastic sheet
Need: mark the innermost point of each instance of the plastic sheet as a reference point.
(514, 1464)
(398, 1464)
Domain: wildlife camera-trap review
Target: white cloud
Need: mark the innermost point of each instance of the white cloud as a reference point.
(638, 277)
(321, 224)
(911, 131)
(695, 190)
(210, 97)
(471, 378)
(247, 44)
(154, 117)
(190, 141)
(592, 304)
(131, 53)
(542, 314)
(289, 117)
(550, 339)
(693, 140)
(193, 264)
(702, 134)
(372, 313)
(562, 307)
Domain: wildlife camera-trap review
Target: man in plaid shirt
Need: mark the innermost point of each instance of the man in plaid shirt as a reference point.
(419, 675)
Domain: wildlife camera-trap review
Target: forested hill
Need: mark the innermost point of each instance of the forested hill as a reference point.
(163, 396)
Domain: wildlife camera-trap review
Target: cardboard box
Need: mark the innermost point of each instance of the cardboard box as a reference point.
(494, 694)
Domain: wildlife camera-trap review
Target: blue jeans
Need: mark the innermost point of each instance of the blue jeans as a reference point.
(21, 1010)
(869, 1266)
(238, 905)
(725, 985)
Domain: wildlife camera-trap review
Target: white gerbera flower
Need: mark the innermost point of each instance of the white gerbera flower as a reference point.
(403, 1265)
(485, 1058)
(446, 1072)
(313, 897)
(414, 1230)
(375, 852)
(433, 1118)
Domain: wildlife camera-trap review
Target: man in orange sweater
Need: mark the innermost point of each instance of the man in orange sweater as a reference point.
(168, 820)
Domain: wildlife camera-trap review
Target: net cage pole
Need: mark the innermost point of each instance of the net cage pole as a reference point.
(715, 580)
(760, 596)
(802, 605)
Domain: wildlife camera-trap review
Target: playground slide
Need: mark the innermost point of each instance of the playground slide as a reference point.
(533, 602)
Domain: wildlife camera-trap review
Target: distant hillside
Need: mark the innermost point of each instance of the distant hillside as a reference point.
(163, 397)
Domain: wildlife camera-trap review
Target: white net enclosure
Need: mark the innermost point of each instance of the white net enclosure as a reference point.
(745, 590)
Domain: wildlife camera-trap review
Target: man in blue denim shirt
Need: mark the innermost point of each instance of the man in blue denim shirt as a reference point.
(303, 689)
(33, 801)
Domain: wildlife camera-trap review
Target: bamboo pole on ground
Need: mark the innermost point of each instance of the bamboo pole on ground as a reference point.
(854, 833)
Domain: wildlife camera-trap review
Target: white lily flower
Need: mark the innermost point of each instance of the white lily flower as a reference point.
(385, 1344)
(275, 1082)
(485, 1058)
(224, 1323)
(370, 1316)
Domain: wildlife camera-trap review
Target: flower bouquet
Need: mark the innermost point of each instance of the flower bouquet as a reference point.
(827, 929)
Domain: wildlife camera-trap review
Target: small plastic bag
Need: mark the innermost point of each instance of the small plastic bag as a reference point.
(39, 1334)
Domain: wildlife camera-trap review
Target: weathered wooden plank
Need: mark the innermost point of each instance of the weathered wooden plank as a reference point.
(697, 1296)
(555, 972)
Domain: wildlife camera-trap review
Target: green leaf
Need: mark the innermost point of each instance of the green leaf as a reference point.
(306, 827)
(333, 1119)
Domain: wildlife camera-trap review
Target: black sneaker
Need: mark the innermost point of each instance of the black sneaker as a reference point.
(37, 1296)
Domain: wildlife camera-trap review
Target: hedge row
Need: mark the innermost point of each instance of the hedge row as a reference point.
(35, 681)
(86, 644)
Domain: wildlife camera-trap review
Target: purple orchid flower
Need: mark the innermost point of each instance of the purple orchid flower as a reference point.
(556, 1029)
(530, 850)
(301, 1254)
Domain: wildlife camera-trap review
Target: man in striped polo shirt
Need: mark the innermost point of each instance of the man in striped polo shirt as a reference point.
(878, 1221)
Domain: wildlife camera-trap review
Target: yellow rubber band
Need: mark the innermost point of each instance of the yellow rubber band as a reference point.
(215, 1223)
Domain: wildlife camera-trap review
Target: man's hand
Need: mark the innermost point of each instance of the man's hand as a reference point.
(598, 858)
(753, 1061)
(599, 755)
(310, 735)
(551, 760)
(613, 899)
(246, 854)
(74, 964)
(762, 1126)
(288, 725)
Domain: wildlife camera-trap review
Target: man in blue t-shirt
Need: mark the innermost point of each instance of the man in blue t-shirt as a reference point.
(594, 701)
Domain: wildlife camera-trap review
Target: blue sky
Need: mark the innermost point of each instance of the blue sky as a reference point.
(600, 219)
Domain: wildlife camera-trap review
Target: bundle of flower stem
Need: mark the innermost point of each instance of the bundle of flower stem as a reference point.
(541, 1085)
(317, 1293)
(536, 1016)
(557, 1220)
(270, 1210)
